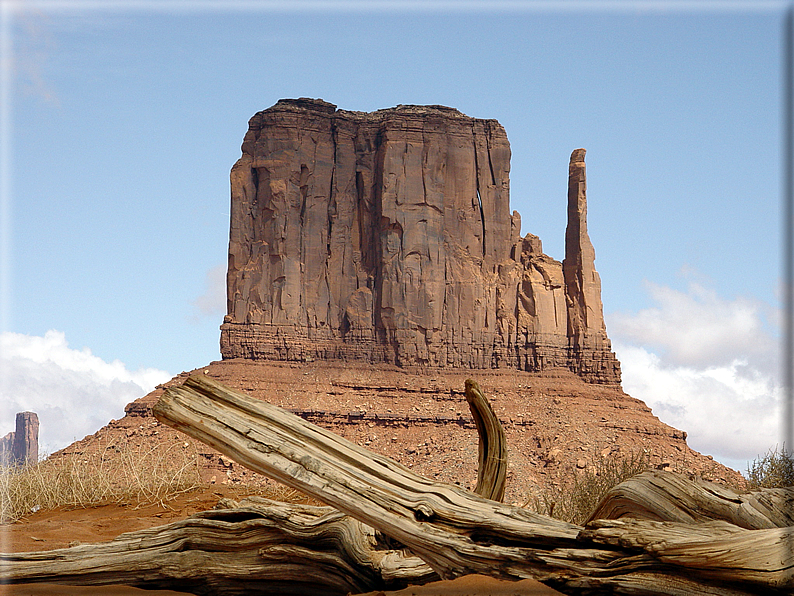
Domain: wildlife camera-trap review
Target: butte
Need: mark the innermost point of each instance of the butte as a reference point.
(374, 265)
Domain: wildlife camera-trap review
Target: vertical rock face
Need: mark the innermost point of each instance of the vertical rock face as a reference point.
(388, 237)
(21, 446)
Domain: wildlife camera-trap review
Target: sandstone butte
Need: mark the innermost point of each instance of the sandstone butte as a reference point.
(388, 237)
(21, 445)
(374, 265)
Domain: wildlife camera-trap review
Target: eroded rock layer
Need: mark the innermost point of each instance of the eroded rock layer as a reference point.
(388, 237)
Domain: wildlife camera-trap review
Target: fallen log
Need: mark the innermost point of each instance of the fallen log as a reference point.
(452, 530)
(661, 496)
(257, 546)
(714, 549)
(317, 549)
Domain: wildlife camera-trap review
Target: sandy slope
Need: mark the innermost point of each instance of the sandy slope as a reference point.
(557, 425)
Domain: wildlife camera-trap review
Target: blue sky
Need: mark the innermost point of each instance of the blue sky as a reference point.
(125, 119)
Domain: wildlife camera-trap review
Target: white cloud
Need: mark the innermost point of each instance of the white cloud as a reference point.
(212, 303)
(727, 411)
(706, 365)
(698, 328)
(73, 392)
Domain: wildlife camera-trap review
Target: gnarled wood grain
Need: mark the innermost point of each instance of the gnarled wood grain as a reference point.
(454, 531)
(662, 496)
(321, 550)
(715, 549)
(492, 468)
(258, 546)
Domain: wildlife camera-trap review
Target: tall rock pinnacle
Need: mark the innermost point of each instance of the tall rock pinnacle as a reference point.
(586, 329)
(387, 237)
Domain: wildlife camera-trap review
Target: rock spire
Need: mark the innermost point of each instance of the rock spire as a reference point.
(587, 333)
(21, 446)
(388, 237)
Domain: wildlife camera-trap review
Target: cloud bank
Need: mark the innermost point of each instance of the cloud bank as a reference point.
(73, 392)
(707, 365)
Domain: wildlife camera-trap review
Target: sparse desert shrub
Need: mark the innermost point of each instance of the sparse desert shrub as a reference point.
(773, 470)
(111, 473)
(576, 500)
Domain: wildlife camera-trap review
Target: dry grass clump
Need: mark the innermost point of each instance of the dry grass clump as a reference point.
(773, 470)
(575, 501)
(275, 491)
(99, 474)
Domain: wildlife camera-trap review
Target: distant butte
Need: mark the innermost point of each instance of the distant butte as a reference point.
(21, 446)
(387, 237)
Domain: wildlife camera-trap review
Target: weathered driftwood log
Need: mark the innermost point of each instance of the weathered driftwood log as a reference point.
(492, 469)
(450, 528)
(257, 546)
(456, 532)
(716, 549)
(662, 496)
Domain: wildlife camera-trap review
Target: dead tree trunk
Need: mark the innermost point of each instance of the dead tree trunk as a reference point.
(257, 546)
(663, 496)
(492, 469)
(454, 531)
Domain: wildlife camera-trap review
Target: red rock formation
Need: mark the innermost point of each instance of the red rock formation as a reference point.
(387, 237)
(21, 446)
(6, 449)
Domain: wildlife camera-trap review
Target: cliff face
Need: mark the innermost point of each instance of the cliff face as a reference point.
(388, 237)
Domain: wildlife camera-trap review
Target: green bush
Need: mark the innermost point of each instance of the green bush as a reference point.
(773, 470)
